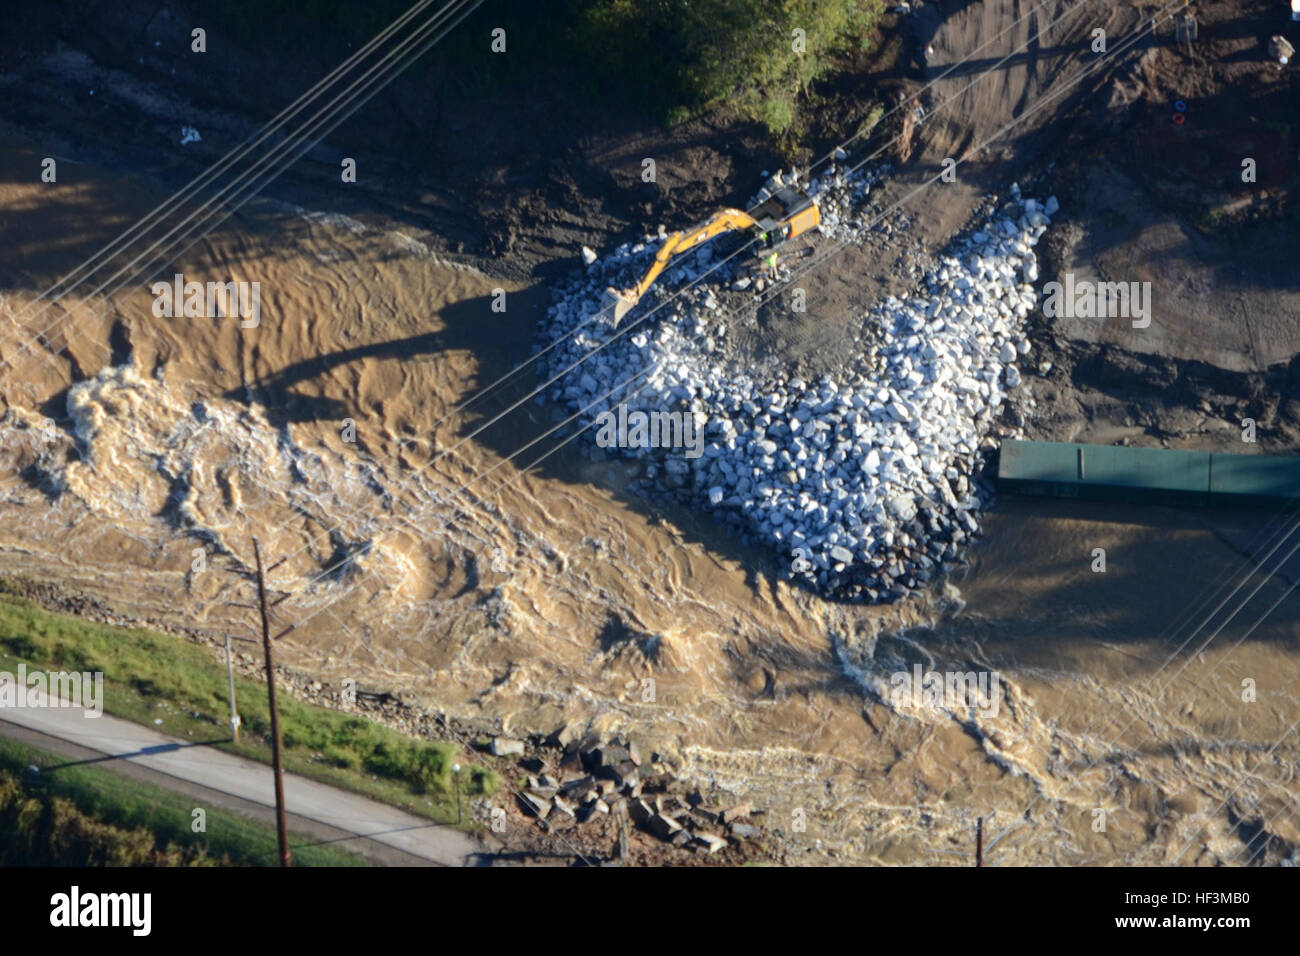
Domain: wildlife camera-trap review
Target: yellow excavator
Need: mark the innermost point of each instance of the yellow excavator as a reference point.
(787, 213)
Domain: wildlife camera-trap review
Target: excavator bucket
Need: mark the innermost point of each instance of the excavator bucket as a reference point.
(620, 302)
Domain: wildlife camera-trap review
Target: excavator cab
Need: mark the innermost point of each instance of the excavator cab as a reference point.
(773, 238)
(787, 213)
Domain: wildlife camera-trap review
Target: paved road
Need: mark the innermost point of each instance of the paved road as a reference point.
(245, 780)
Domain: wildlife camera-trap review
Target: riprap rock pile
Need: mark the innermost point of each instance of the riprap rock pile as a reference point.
(866, 484)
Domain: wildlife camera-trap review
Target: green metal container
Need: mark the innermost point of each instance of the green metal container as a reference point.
(1146, 475)
(1254, 479)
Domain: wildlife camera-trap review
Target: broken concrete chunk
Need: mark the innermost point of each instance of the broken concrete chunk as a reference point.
(626, 773)
(572, 760)
(578, 787)
(738, 812)
(664, 827)
(506, 747)
(565, 735)
(611, 755)
(534, 805)
(595, 807)
(710, 841)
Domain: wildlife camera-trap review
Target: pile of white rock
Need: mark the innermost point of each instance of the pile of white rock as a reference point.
(864, 484)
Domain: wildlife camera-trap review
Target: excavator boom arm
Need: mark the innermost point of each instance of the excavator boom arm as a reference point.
(786, 213)
(681, 242)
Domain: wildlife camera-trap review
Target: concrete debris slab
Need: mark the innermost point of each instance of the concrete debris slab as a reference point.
(534, 805)
(664, 827)
(505, 747)
(710, 841)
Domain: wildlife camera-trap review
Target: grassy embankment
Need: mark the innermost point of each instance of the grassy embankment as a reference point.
(180, 688)
(70, 815)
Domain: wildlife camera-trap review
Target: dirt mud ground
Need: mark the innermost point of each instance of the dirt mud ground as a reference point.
(522, 603)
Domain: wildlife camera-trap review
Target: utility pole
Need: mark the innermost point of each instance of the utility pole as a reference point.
(230, 677)
(281, 830)
(979, 841)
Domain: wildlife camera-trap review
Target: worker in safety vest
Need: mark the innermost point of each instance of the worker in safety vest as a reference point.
(771, 264)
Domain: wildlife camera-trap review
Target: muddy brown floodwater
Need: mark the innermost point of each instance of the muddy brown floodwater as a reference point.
(416, 560)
